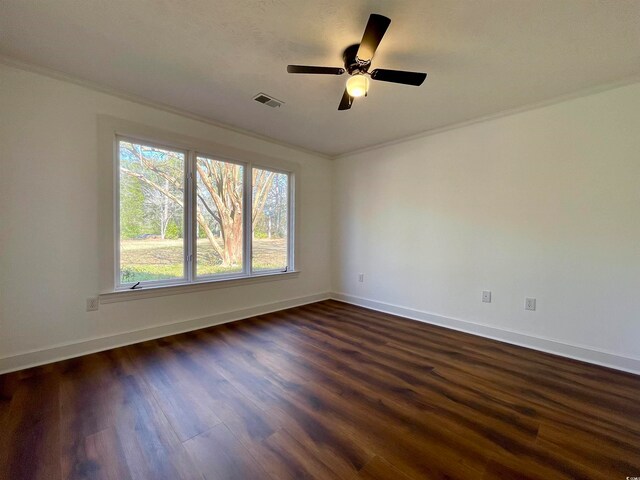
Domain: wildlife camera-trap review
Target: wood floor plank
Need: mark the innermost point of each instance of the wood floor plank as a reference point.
(183, 402)
(591, 450)
(220, 456)
(104, 457)
(384, 426)
(450, 415)
(343, 359)
(379, 469)
(534, 396)
(31, 423)
(253, 428)
(89, 388)
(335, 448)
(303, 463)
(323, 391)
(151, 446)
(550, 365)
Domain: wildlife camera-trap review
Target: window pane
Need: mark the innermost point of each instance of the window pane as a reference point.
(219, 217)
(151, 213)
(270, 220)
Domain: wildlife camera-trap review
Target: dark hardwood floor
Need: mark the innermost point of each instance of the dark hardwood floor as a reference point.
(324, 391)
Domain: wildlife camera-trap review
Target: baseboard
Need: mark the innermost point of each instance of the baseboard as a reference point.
(582, 353)
(76, 349)
(70, 350)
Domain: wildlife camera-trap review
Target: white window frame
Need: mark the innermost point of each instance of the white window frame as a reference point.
(186, 263)
(245, 209)
(110, 132)
(290, 220)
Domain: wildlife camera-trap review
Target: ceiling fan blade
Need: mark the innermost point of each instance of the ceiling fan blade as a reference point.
(347, 100)
(316, 70)
(398, 76)
(373, 33)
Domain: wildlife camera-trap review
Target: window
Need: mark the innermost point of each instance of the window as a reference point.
(219, 217)
(152, 214)
(271, 220)
(188, 217)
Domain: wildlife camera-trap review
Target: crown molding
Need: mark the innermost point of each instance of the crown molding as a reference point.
(58, 75)
(629, 80)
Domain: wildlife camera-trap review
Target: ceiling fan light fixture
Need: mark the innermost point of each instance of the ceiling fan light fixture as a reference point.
(358, 85)
(357, 60)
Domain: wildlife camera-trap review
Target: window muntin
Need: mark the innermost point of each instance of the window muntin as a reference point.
(270, 220)
(219, 217)
(178, 248)
(151, 213)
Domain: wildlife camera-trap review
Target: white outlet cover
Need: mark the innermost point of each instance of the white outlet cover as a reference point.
(486, 296)
(530, 304)
(92, 304)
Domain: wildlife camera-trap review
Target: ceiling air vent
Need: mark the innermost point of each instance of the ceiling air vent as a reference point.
(267, 100)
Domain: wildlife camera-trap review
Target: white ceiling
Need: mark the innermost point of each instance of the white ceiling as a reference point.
(210, 57)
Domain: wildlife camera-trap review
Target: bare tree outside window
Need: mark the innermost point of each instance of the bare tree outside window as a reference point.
(270, 220)
(152, 215)
(219, 215)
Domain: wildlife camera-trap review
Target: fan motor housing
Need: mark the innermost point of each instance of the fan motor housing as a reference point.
(352, 64)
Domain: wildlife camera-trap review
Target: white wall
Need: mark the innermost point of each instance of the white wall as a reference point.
(48, 224)
(543, 204)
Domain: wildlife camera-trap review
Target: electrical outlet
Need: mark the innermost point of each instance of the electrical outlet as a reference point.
(361, 277)
(486, 296)
(530, 304)
(92, 304)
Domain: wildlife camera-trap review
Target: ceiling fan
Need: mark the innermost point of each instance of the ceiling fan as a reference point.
(357, 60)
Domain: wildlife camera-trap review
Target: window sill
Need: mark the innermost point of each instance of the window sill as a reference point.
(161, 291)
